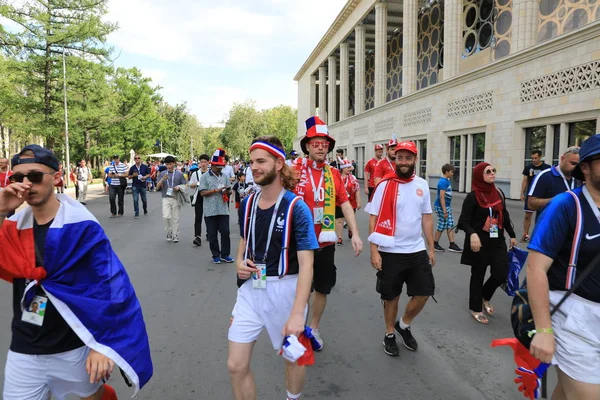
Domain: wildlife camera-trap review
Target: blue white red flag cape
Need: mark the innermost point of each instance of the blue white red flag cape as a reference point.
(86, 282)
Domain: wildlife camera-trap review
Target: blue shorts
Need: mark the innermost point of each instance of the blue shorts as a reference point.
(444, 223)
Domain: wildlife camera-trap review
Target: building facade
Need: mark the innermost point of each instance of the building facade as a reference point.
(467, 80)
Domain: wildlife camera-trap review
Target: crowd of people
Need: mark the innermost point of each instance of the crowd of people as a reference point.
(292, 211)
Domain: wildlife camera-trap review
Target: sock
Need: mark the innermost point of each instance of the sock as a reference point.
(435, 242)
(293, 396)
(403, 325)
(451, 243)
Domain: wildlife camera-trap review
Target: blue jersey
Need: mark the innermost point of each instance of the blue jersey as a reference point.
(444, 184)
(553, 237)
(549, 183)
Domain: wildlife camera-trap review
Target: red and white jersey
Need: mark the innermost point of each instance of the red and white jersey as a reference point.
(370, 169)
(384, 167)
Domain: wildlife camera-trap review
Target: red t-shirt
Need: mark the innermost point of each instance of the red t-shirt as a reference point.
(384, 167)
(370, 169)
(352, 187)
(304, 189)
(4, 181)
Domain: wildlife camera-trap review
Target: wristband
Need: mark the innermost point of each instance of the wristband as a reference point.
(541, 330)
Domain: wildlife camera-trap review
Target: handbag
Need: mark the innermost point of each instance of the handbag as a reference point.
(516, 262)
(122, 181)
(521, 316)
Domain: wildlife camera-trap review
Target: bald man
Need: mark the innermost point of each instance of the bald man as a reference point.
(5, 173)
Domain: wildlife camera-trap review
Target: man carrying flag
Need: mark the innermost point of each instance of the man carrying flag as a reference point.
(56, 254)
(275, 266)
(321, 187)
(400, 216)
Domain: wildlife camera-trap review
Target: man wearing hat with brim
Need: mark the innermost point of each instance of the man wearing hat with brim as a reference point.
(322, 189)
(118, 173)
(569, 338)
(370, 170)
(386, 165)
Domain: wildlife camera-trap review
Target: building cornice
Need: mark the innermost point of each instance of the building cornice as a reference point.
(339, 21)
(559, 43)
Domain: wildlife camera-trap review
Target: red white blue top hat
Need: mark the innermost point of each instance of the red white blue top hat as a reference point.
(316, 128)
(218, 158)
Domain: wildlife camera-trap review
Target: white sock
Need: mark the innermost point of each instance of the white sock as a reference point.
(293, 396)
(403, 325)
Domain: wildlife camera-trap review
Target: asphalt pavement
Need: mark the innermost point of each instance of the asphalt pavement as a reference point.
(187, 304)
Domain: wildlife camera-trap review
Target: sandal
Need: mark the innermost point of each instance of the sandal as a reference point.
(489, 309)
(525, 239)
(479, 317)
(340, 242)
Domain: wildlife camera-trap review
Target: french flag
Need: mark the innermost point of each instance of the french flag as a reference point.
(86, 282)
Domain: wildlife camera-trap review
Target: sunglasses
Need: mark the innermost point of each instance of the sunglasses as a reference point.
(33, 176)
(490, 171)
(136, 158)
(316, 145)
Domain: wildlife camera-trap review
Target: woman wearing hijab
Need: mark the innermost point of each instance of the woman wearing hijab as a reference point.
(484, 218)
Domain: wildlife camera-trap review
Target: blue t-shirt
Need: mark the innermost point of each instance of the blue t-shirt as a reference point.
(548, 184)
(553, 237)
(106, 172)
(303, 234)
(444, 184)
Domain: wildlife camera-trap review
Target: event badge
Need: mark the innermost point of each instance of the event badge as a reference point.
(170, 192)
(259, 278)
(494, 229)
(34, 314)
(318, 215)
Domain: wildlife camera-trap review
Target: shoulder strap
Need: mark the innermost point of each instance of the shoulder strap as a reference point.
(286, 237)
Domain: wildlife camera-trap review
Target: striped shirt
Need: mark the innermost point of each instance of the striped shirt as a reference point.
(119, 168)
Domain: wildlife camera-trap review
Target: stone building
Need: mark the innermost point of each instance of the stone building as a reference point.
(468, 80)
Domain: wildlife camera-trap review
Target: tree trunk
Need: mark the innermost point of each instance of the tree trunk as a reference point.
(87, 145)
(47, 89)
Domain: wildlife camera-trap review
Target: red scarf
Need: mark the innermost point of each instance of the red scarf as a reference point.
(385, 227)
(487, 194)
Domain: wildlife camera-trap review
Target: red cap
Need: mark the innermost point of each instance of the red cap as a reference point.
(378, 147)
(407, 145)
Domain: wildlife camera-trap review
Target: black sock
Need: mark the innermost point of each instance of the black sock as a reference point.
(451, 243)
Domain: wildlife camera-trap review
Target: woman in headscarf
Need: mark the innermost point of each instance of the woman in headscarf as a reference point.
(484, 218)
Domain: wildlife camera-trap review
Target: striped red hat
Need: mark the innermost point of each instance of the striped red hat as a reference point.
(218, 158)
(393, 141)
(378, 147)
(316, 128)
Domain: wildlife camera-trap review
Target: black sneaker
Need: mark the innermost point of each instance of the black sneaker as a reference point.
(198, 241)
(389, 345)
(454, 248)
(437, 247)
(407, 337)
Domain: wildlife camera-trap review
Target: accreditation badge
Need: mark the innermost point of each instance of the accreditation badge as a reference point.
(259, 278)
(34, 314)
(494, 232)
(318, 215)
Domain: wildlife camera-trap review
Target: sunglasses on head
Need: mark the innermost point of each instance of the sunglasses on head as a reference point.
(33, 176)
(316, 145)
(490, 171)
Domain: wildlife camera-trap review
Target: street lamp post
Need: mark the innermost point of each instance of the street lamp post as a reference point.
(67, 154)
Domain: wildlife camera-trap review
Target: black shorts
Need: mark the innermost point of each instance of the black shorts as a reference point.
(324, 275)
(371, 191)
(413, 269)
(338, 212)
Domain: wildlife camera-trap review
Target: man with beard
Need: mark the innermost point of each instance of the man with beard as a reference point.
(370, 170)
(322, 188)
(398, 252)
(386, 165)
(276, 250)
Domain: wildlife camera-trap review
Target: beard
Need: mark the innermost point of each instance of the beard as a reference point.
(267, 178)
(407, 174)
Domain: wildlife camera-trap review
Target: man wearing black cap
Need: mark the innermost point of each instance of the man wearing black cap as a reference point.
(569, 338)
(293, 158)
(118, 183)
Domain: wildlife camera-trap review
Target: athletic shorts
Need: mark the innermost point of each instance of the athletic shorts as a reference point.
(576, 327)
(413, 269)
(256, 309)
(35, 377)
(444, 223)
(338, 212)
(525, 206)
(371, 191)
(324, 271)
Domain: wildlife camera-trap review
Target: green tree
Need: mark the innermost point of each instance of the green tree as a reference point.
(244, 123)
(282, 122)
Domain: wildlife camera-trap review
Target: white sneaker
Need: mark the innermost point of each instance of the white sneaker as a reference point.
(318, 339)
(169, 236)
(175, 239)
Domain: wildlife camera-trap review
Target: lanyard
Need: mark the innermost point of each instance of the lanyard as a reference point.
(390, 162)
(172, 179)
(318, 191)
(591, 202)
(565, 179)
(253, 226)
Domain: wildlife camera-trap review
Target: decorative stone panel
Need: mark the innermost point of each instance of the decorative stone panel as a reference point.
(361, 133)
(471, 104)
(576, 79)
(418, 117)
(386, 125)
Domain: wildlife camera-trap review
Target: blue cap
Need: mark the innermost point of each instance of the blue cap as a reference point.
(40, 156)
(589, 148)
(293, 153)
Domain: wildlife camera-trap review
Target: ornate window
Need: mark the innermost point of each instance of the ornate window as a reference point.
(394, 68)
(502, 28)
(430, 36)
(561, 16)
(370, 82)
(478, 26)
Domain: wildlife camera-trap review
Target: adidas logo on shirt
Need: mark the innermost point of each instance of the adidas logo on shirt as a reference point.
(386, 224)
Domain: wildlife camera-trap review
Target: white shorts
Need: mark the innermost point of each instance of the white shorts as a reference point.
(32, 377)
(268, 308)
(576, 327)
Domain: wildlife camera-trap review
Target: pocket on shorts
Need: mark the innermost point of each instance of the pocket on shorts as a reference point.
(583, 321)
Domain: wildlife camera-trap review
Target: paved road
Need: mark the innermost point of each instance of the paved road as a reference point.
(187, 303)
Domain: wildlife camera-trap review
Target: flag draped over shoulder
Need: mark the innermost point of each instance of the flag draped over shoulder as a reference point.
(86, 282)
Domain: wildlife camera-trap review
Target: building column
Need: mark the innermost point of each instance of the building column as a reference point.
(323, 93)
(462, 179)
(359, 70)
(549, 144)
(469, 169)
(332, 87)
(525, 24)
(344, 81)
(409, 47)
(380, 53)
(312, 104)
(453, 18)
(564, 138)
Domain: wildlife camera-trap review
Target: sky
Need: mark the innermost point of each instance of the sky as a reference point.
(212, 54)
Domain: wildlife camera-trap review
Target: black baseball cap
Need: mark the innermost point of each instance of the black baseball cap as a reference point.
(589, 148)
(116, 156)
(41, 156)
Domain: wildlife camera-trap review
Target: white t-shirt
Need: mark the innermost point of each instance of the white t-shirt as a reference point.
(413, 201)
(228, 171)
